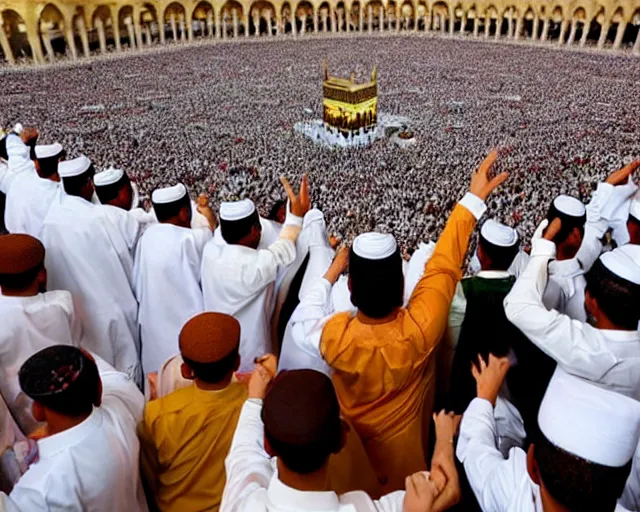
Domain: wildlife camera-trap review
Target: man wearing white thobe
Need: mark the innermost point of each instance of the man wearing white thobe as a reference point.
(609, 356)
(590, 423)
(167, 275)
(30, 195)
(19, 150)
(90, 253)
(93, 465)
(239, 279)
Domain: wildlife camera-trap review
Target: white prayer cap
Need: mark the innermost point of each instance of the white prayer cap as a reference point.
(624, 262)
(18, 128)
(169, 194)
(499, 234)
(374, 246)
(635, 208)
(108, 177)
(570, 206)
(593, 423)
(48, 150)
(75, 167)
(237, 210)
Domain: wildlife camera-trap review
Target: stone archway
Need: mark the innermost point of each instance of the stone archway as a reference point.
(103, 28)
(79, 31)
(530, 24)
(304, 17)
(262, 17)
(374, 16)
(15, 43)
(391, 16)
(491, 22)
(150, 28)
(232, 19)
(126, 24)
(421, 17)
(175, 17)
(407, 16)
(203, 20)
(356, 15)
(52, 31)
(441, 16)
(634, 32)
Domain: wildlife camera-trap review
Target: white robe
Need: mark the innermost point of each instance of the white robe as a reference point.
(499, 484)
(241, 282)
(30, 324)
(607, 358)
(92, 466)
(19, 155)
(89, 251)
(253, 485)
(29, 198)
(167, 284)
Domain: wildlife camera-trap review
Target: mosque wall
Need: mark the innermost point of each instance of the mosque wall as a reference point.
(41, 31)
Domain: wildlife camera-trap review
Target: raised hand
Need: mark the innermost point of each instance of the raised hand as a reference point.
(202, 205)
(29, 135)
(553, 229)
(420, 493)
(300, 204)
(621, 176)
(482, 184)
(338, 265)
(262, 376)
(489, 377)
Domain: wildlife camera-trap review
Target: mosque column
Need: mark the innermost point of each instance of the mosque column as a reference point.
(236, 30)
(398, 18)
(4, 44)
(210, 24)
(101, 35)
(294, 27)
(183, 28)
(510, 25)
(604, 31)
(303, 25)
(619, 35)
(217, 15)
(498, 28)
(534, 32)
(636, 45)
(381, 15)
(361, 18)
(586, 28)
(82, 30)
(369, 18)
(487, 26)
(339, 22)
(33, 36)
(70, 38)
(545, 30)
(452, 21)
(572, 32)
(138, 29)
(476, 25)
(428, 19)
(189, 23)
(443, 23)
(519, 24)
(332, 16)
(347, 20)
(46, 39)
(463, 22)
(256, 24)
(415, 21)
(147, 33)
(172, 23)
(563, 31)
(315, 21)
(245, 21)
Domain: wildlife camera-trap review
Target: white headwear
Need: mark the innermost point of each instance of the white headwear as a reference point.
(624, 262)
(48, 150)
(634, 211)
(374, 246)
(237, 210)
(169, 194)
(499, 234)
(108, 177)
(75, 167)
(18, 128)
(569, 205)
(593, 423)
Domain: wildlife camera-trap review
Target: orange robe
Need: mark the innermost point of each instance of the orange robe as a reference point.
(384, 372)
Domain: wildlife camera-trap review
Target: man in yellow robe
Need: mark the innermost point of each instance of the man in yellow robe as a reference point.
(186, 435)
(382, 358)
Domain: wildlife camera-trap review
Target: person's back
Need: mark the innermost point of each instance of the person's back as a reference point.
(192, 431)
(186, 435)
(381, 358)
(89, 254)
(93, 465)
(26, 216)
(167, 285)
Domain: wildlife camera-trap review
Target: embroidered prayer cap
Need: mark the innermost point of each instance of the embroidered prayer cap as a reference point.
(169, 194)
(237, 210)
(374, 246)
(624, 262)
(74, 167)
(498, 234)
(20, 253)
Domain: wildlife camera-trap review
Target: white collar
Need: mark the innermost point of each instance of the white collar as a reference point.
(135, 197)
(565, 268)
(493, 274)
(620, 336)
(52, 445)
(284, 497)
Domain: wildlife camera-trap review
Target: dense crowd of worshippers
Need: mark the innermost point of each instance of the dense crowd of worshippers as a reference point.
(220, 120)
(172, 359)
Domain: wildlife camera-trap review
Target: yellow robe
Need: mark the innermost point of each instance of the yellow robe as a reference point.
(185, 437)
(384, 372)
